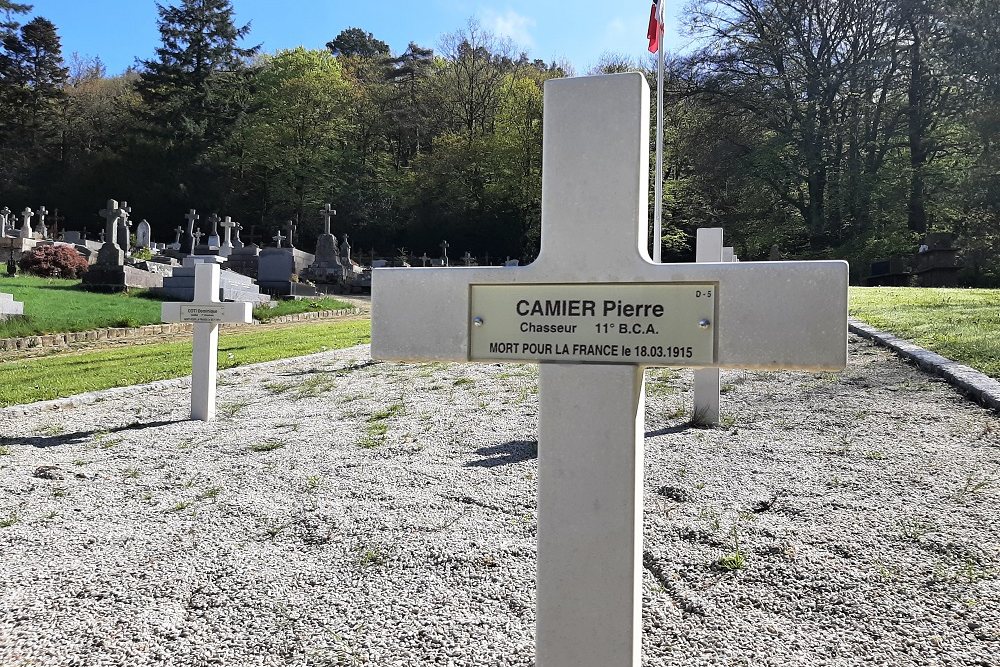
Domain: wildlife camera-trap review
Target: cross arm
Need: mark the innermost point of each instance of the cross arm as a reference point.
(770, 315)
(211, 313)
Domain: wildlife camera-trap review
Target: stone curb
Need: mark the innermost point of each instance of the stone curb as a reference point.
(151, 330)
(80, 400)
(978, 386)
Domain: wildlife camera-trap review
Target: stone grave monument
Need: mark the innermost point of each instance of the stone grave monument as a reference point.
(326, 268)
(4, 219)
(10, 308)
(595, 315)
(110, 273)
(207, 313)
(278, 270)
(226, 247)
(42, 231)
(144, 235)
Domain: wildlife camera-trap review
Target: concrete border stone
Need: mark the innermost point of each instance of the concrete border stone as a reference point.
(978, 386)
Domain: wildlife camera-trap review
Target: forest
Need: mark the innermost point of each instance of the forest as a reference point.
(830, 128)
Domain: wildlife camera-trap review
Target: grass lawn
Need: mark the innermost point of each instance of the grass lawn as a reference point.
(961, 324)
(60, 375)
(53, 305)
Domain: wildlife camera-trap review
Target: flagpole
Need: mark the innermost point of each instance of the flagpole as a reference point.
(658, 190)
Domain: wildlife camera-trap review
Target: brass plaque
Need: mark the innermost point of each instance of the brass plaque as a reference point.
(205, 314)
(649, 324)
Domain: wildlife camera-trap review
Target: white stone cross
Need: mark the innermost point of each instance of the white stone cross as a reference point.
(327, 212)
(206, 312)
(444, 252)
(191, 217)
(226, 248)
(26, 214)
(279, 237)
(110, 213)
(178, 231)
(4, 217)
(197, 239)
(42, 229)
(593, 295)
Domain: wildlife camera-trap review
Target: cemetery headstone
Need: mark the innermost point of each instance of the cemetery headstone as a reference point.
(207, 313)
(424, 259)
(345, 253)
(144, 235)
(326, 268)
(444, 253)
(468, 259)
(191, 217)
(4, 219)
(226, 248)
(124, 229)
(237, 241)
(278, 238)
(197, 238)
(594, 315)
(9, 307)
(176, 245)
(43, 231)
(26, 231)
(213, 235)
(291, 227)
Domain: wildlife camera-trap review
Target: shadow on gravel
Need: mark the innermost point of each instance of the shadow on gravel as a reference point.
(59, 439)
(514, 451)
(670, 430)
(332, 371)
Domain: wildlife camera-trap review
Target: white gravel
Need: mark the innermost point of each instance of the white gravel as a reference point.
(292, 531)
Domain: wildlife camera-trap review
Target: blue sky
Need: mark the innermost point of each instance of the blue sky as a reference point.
(119, 31)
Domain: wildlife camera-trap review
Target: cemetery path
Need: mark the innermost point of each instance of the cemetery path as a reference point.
(345, 512)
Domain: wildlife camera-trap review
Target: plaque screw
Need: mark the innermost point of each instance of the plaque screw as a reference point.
(478, 321)
(704, 324)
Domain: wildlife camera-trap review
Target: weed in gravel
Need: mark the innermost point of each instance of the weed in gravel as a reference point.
(734, 560)
(312, 483)
(726, 388)
(131, 473)
(842, 448)
(9, 520)
(209, 494)
(233, 408)
(975, 483)
(292, 426)
(108, 444)
(875, 455)
(463, 382)
(4, 450)
(79, 462)
(51, 515)
(371, 556)
(393, 410)
(913, 531)
(278, 387)
(711, 517)
(179, 507)
(51, 429)
(266, 446)
(59, 492)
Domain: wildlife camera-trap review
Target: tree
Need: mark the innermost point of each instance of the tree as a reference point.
(357, 42)
(195, 89)
(8, 9)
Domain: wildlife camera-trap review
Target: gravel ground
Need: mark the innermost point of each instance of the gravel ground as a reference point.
(343, 512)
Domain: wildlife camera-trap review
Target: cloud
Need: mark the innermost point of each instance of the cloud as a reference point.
(510, 24)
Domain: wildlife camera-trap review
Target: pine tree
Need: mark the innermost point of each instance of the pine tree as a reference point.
(195, 87)
(7, 10)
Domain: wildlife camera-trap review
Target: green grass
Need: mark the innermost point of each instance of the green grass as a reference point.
(961, 324)
(293, 306)
(67, 374)
(53, 305)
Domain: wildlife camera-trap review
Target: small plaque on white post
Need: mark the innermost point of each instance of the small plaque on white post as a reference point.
(635, 324)
(202, 313)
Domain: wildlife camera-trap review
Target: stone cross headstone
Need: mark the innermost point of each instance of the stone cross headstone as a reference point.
(278, 238)
(237, 241)
(345, 254)
(177, 236)
(144, 234)
(191, 217)
(327, 212)
(26, 232)
(100, 235)
(213, 236)
(110, 254)
(226, 249)
(197, 237)
(125, 228)
(594, 315)
(206, 312)
(291, 227)
(424, 259)
(444, 253)
(775, 254)
(4, 218)
(57, 221)
(467, 258)
(43, 231)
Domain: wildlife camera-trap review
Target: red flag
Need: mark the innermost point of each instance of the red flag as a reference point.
(655, 30)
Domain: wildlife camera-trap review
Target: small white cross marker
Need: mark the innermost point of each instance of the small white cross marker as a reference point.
(595, 311)
(206, 312)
